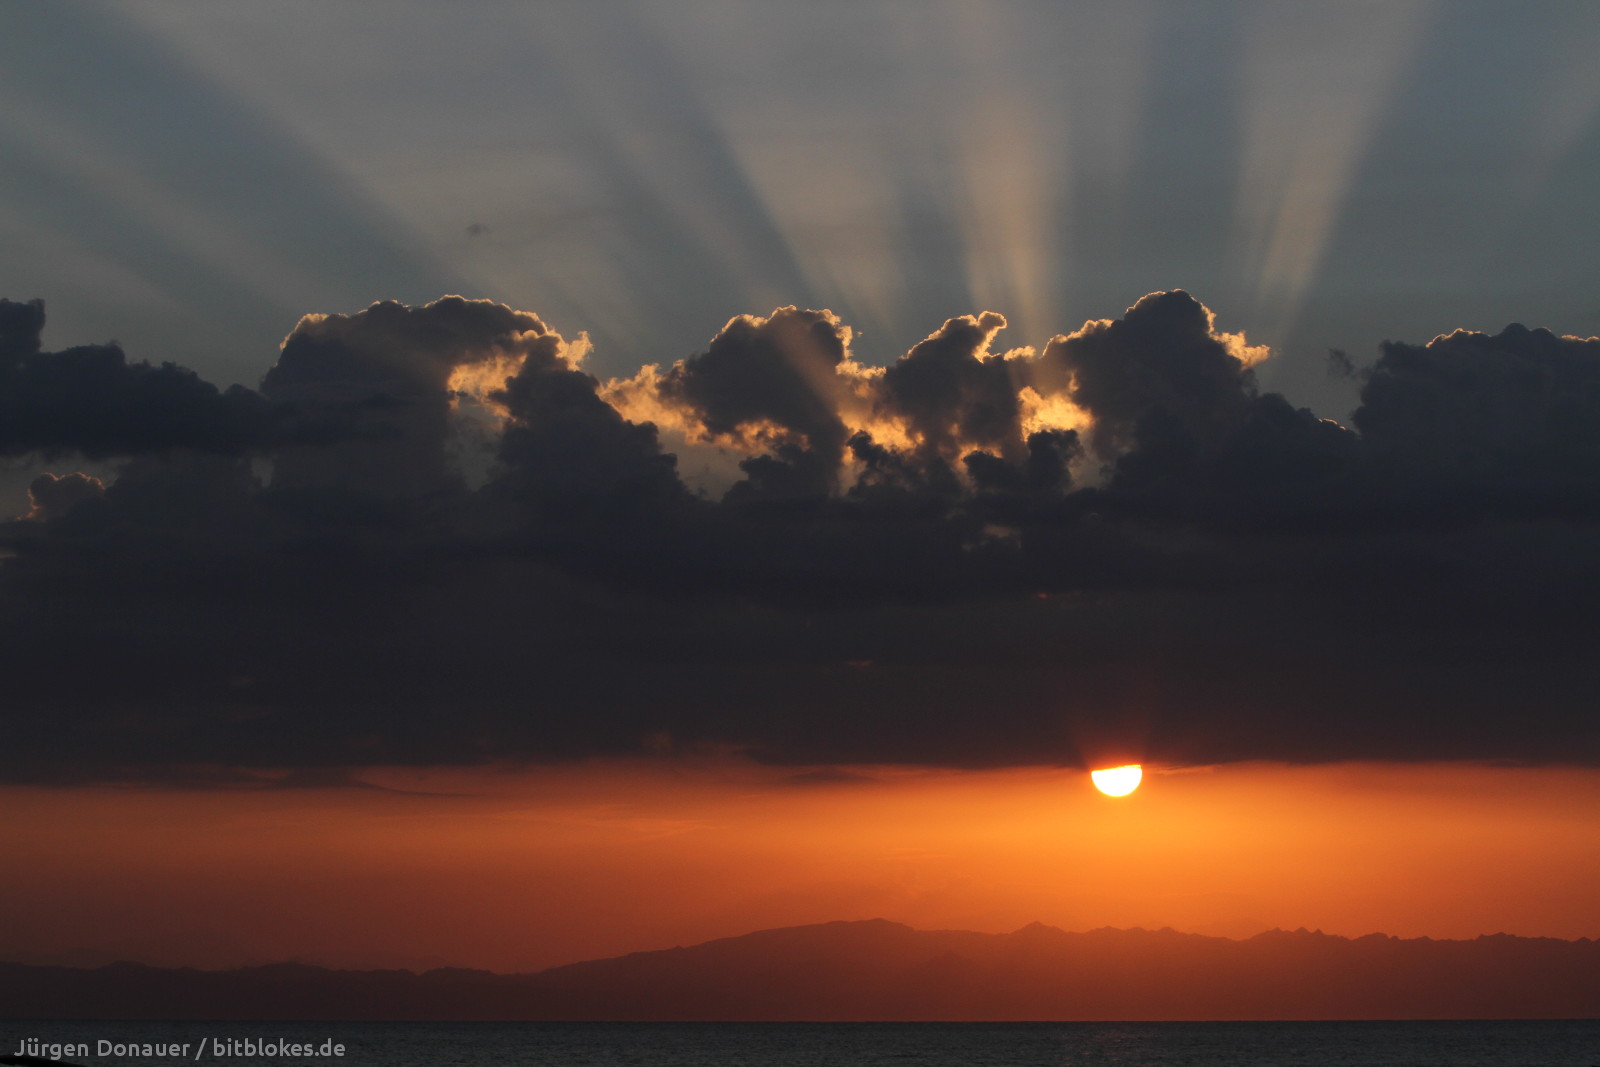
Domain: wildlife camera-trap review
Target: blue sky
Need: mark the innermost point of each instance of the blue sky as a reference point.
(191, 178)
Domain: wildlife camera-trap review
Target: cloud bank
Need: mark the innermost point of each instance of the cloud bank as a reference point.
(431, 537)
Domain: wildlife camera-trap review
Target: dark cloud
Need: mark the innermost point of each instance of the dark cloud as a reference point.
(1476, 424)
(761, 376)
(577, 482)
(385, 381)
(1160, 377)
(1039, 479)
(21, 326)
(1116, 548)
(51, 496)
(91, 400)
(951, 391)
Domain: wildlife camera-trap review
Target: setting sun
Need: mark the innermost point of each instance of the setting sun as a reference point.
(1118, 781)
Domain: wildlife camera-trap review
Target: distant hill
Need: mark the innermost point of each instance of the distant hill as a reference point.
(880, 970)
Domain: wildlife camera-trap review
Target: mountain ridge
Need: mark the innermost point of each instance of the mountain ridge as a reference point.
(877, 969)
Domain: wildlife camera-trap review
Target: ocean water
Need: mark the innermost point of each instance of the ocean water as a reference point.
(1339, 1044)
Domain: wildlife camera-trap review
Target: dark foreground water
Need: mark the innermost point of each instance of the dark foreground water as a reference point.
(1351, 1044)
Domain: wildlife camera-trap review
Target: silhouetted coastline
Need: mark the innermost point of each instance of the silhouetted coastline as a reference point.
(885, 971)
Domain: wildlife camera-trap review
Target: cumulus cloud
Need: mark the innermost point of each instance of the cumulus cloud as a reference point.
(764, 380)
(1114, 547)
(51, 496)
(787, 390)
(388, 381)
(1498, 424)
(951, 392)
(91, 400)
(1161, 371)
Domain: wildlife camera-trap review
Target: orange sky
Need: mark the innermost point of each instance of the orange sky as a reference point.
(539, 868)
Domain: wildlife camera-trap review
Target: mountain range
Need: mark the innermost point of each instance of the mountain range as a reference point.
(881, 970)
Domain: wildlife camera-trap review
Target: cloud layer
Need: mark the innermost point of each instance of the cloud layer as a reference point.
(431, 537)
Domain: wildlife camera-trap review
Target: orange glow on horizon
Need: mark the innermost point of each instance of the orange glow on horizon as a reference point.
(514, 870)
(1117, 781)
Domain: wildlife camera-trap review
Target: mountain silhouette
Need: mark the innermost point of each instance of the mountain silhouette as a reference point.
(881, 970)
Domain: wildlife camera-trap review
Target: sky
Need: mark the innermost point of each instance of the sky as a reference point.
(464, 464)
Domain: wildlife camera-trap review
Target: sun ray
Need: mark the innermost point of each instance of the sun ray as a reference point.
(1310, 113)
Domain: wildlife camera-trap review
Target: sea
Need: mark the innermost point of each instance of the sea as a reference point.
(1289, 1044)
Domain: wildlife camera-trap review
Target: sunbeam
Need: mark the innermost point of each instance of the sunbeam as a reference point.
(1315, 83)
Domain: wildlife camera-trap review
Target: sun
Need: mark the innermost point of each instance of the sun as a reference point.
(1117, 781)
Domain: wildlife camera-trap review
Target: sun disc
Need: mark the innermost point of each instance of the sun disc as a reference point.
(1117, 781)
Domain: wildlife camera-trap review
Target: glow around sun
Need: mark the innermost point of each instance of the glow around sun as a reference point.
(1117, 781)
